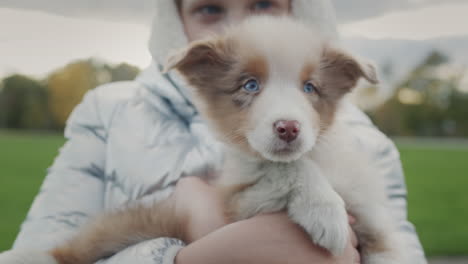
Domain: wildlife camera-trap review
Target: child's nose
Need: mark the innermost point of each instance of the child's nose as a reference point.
(287, 130)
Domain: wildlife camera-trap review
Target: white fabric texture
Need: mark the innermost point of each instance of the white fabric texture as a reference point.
(132, 141)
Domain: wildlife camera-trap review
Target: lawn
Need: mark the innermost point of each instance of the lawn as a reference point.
(24, 159)
(437, 177)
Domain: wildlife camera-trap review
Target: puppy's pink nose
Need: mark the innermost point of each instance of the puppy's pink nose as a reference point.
(287, 130)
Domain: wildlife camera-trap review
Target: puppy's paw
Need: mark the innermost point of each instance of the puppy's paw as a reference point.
(26, 257)
(330, 229)
(326, 225)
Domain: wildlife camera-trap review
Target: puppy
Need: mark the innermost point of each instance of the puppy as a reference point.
(270, 89)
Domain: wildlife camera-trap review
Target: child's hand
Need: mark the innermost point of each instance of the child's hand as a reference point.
(199, 208)
(263, 239)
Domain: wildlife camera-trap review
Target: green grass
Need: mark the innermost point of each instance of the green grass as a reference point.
(24, 159)
(437, 177)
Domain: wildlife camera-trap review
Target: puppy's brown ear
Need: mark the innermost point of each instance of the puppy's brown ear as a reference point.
(202, 61)
(342, 71)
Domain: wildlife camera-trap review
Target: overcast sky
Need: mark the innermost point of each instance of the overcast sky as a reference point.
(36, 36)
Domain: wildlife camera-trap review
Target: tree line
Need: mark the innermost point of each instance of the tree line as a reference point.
(430, 101)
(30, 104)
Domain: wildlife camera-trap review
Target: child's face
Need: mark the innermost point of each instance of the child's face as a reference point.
(201, 17)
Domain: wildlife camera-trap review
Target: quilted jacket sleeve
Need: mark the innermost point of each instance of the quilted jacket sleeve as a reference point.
(73, 191)
(386, 156)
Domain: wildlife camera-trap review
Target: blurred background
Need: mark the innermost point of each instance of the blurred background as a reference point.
(53, 51)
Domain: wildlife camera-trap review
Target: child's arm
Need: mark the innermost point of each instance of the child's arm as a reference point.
(73, 191)
(388, 159)
(386, 156)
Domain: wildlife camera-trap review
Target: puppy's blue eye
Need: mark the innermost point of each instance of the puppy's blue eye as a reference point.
(309, 87)
(252, 86)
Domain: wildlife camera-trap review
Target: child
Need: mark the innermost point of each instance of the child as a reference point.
(134, 141)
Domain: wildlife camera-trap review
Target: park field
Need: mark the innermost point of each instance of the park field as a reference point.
(436, 175)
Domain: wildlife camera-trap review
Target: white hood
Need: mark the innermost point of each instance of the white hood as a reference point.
(168, 32)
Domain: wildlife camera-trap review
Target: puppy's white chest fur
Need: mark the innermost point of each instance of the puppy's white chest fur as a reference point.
(272, 183)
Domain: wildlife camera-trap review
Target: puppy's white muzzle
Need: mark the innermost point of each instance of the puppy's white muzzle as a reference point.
(283, 124)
